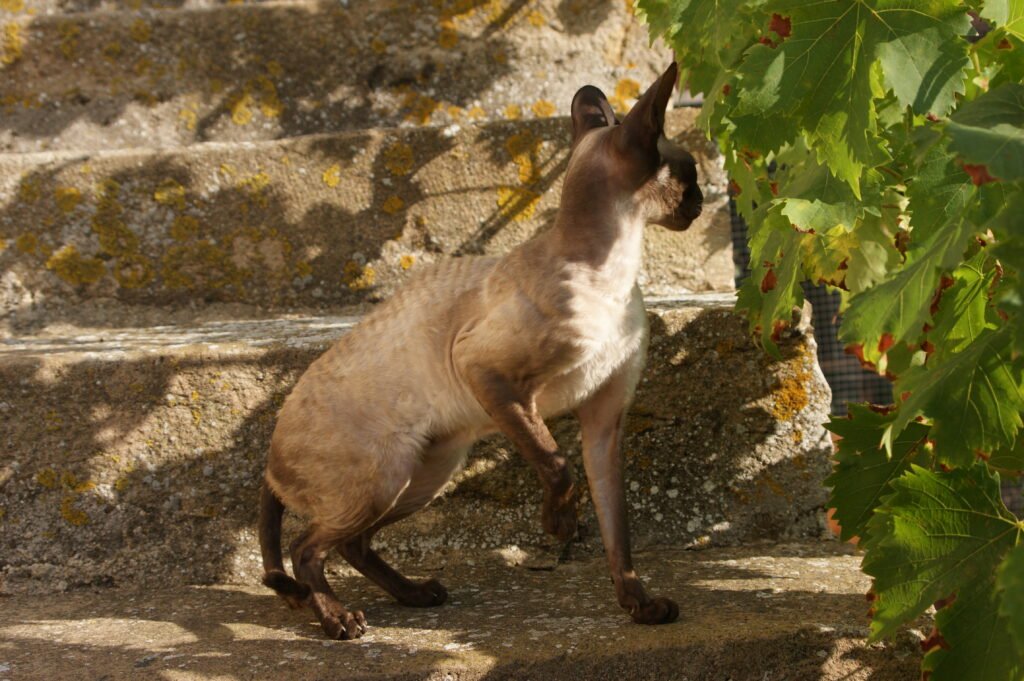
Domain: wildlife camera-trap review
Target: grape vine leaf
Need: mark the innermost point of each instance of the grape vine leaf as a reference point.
(939, 190)
(975, 398)
(963, 311)
(989, 131)
(823, 75)
(1010, 582)
(936, 533)
(896, 309)
(1006, 14)
(773, 288)
(975, 643)
(863, 471)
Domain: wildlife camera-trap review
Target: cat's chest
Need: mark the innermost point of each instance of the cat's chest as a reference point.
(609, 334)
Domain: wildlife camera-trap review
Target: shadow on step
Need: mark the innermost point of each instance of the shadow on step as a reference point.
(501, 623)
(230, 71)
(145, 470)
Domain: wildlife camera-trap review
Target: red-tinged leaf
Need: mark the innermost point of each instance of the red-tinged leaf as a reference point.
(765, 40)
(726, 89)
(777, 329)
(781, 25)
(982, 456)
(979, 174)
(885, 342)
(934, 640)
(1004, 44)
(932, 117)
(857, 350)
(943, 602)
(769, 281)
(870, 596)
(927, 347)
(904, 395)
(883, 409)
(944, 284)
(773, 187)
(734, 188)
(844, 264)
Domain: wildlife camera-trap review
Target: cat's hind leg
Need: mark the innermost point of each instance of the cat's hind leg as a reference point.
(308, 553)
(438, 463)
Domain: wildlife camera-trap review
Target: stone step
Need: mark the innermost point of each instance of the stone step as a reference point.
(794, 612)
(313, 221)
(249, 72)
(133, 455)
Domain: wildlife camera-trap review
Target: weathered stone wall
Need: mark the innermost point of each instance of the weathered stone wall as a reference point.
(315, 221)
(143, 466)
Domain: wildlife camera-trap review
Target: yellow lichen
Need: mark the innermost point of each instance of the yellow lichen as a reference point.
(253, 185)
(407, 261)
(121, 484)
(420, 108)
(270, 103)
(13, 44)
(141, 31)
(542, 108)
(241, 113)
(29, 190)
(27, 243)
(332, 176)
(476, 113)
(448, 38)
(73, 516)
(500, 57)
(536, 18)
(524, 148)
(513, 112)
(196, 266)
(74, 268)
(69, 39)
(378, 46)
(303, 269)
(170, 192)
(275, 69)
(393, 205)
(133, 270)
(398, 158)
(790, 397)
(67, 198)
(189, 118)
(53, 421)
(184, 228)
(3, 245)
(517, 203)
(454, 111)
(359, 277)
(626, 90)
(47, 478)
(12, 5)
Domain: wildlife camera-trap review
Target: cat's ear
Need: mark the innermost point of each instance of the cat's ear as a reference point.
(645, 122)
(590, 109)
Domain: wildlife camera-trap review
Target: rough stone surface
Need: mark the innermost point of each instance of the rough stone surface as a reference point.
(133, 456)
(314, 221)
(116, 79)
(795, 612)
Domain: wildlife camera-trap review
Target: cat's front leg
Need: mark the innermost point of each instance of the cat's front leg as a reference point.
(601, 419)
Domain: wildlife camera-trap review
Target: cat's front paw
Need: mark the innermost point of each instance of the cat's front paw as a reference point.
(558, 516)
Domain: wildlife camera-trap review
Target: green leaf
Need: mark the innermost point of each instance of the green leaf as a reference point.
(975, 642)
(1010, 583)
(823, 75)
(771, 292)
(1007, 14)
(896, 310)
(975, 398)
(990, 131)
(864, 472)
(939, 191)
(963, 311)
(1009, 459)
(935, 534)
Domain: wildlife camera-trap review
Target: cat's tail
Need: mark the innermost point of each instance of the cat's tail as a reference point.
(274, 576)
